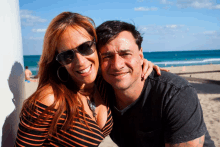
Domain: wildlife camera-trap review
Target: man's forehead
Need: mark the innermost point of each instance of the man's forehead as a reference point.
(113, 49)
(123, 41)
(116, 46)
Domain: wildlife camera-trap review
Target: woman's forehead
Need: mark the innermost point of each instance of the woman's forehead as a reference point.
(73, 37)
(75, 32)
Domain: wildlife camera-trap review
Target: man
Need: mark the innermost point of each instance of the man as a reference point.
(28, 75)
(160, 111)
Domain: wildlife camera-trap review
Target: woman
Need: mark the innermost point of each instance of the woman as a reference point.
(66, 109)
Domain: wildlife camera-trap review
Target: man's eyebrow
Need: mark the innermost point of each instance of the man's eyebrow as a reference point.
(106, 53)
(110, 52)
(124, 50)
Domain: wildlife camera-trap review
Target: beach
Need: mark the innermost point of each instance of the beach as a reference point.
(205, 79)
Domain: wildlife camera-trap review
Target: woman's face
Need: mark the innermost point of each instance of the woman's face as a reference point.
(83, 69)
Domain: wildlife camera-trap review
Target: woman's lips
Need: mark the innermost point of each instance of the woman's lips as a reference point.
(85, 70)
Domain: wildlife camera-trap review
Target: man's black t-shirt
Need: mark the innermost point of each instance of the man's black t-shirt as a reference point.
(167, 111)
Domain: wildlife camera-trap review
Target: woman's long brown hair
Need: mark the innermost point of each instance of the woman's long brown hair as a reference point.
(65, 94)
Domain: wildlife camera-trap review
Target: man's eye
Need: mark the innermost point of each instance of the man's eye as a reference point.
(125, 54)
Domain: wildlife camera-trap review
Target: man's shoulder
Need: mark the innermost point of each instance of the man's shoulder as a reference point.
(27, 70)
(169, 79)
(167, 86)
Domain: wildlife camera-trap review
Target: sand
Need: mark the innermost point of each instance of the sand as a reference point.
(205, 79)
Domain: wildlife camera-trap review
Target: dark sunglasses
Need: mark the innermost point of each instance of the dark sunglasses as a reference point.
(84, 49)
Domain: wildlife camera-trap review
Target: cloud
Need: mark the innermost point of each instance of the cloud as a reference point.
(171, 26)
(28, 19)
(200, 5)
(162, 30)
(39, 30)
(197, 4)
(36, 38)
(165, 2)
(216, 7)
(146, 9)
(212, 34)
(177, 37)
(209, 32)
(166, 7)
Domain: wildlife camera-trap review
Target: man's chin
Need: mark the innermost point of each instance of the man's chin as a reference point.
(120, 86)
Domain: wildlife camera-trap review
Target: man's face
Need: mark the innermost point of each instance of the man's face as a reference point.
(121, 62)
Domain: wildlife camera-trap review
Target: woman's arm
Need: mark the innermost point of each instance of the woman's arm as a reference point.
(31, 131)
(148, 67)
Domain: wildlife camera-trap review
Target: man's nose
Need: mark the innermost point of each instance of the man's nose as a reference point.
(117, 62)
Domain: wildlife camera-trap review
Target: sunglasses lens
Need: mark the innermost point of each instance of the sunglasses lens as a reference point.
(65, 57)
(68, 56)
(86, 48)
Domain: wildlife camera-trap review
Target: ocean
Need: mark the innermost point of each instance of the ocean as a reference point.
(162, 59)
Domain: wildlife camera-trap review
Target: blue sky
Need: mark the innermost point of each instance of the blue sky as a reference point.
(166, 25)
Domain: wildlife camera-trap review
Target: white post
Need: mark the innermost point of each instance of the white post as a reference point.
(11, 71)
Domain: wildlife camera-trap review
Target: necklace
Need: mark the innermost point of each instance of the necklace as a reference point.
(92, 107)
(91, 103)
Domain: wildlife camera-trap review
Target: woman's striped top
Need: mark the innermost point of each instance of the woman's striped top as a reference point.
(78, 134)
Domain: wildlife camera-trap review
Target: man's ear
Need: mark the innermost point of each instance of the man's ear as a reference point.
(141, 55)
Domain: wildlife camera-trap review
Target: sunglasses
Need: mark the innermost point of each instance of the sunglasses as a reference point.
(84, 49)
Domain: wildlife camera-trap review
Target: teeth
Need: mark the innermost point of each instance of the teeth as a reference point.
(85, 70)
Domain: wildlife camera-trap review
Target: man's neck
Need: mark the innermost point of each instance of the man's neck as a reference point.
(126, 97)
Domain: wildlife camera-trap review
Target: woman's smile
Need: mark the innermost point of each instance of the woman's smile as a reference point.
(85, 71)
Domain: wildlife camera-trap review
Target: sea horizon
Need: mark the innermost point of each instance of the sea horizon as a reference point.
(160, 58)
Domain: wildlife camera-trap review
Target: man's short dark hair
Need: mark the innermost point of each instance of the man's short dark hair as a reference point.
(26, 67)
(109, 30)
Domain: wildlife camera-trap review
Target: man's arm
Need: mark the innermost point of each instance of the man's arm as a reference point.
(198, 142)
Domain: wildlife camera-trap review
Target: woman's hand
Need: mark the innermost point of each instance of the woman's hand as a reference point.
(148, 67)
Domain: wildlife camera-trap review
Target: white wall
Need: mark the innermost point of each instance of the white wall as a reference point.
(11, 71)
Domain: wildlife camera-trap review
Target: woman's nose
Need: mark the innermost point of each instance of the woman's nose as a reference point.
(79, 59)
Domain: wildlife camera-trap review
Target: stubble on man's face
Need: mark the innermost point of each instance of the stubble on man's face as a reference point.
(121, 61)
